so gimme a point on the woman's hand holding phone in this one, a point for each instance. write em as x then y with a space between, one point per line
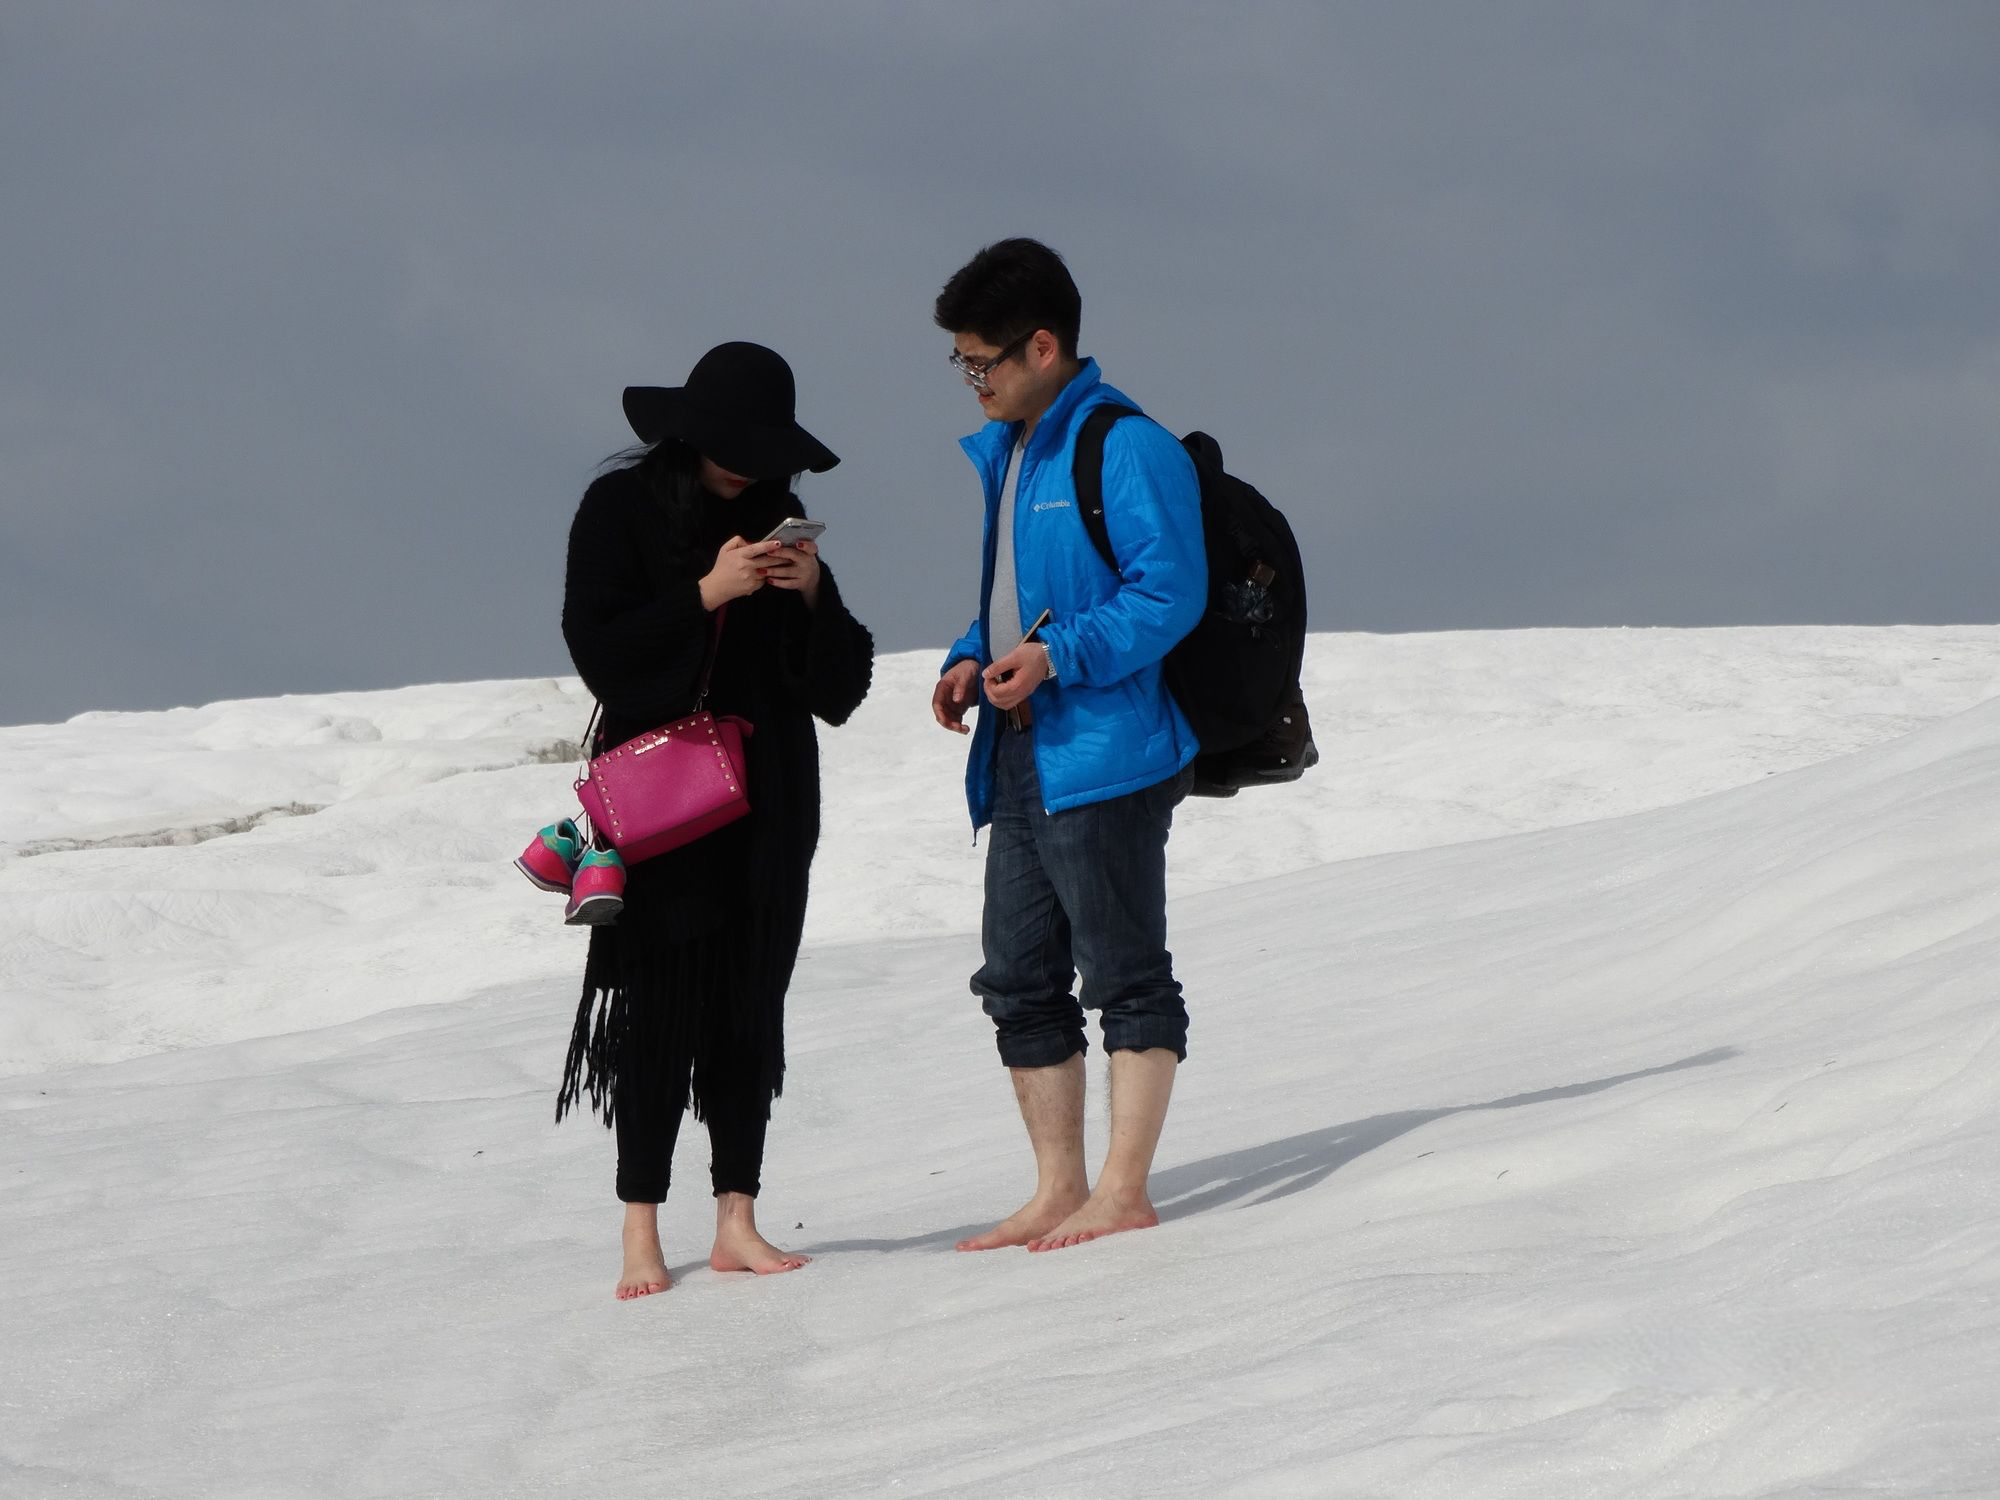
795 567
786 558
739 571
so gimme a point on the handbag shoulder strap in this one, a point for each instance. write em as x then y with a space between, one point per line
701 693
714 650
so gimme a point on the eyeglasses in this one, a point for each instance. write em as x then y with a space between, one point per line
977 370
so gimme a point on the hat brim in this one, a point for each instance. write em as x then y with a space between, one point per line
754 450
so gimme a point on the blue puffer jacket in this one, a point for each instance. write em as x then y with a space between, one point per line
1106 725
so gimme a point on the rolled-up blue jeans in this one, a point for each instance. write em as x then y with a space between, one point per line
1079 891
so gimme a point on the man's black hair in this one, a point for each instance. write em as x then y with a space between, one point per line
1009 290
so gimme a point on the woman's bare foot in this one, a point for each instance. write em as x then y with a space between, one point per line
1105 1213
738 1245
645 1262
1035 1218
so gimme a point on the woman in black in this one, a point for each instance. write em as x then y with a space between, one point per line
683 998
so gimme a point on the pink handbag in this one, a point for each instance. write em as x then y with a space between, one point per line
669 786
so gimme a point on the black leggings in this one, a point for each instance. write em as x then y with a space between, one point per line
692 1021
649 1121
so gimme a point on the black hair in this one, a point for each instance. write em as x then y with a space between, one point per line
671 472
1010 289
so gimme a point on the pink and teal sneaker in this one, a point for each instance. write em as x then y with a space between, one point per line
597 891
551 860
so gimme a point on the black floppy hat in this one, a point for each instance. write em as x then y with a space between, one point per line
737 410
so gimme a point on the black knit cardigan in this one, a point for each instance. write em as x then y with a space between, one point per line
637 631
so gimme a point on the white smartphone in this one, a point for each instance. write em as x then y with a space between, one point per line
795 529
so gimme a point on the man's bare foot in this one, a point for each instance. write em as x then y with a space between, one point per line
645 1263
1105 1213
738 1245
1037 1217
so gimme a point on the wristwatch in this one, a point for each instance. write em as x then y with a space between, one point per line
1049 657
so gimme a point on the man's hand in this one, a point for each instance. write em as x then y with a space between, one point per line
739 571
795 567
1011 679
954 695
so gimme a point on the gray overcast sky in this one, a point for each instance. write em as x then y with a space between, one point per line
313 318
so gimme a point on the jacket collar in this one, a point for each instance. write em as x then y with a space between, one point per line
988 447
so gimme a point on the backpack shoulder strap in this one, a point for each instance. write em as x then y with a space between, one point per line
1087 473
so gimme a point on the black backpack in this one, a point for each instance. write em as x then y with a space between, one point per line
1236 674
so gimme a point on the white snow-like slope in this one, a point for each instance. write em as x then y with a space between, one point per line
137 941
1575 1108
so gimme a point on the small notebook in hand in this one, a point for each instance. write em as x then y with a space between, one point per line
1020 716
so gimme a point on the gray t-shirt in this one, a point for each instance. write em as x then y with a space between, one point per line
1003 607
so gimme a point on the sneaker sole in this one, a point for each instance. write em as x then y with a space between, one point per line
594 911
537 882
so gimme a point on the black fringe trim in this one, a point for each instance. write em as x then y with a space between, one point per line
691 1017
591 1066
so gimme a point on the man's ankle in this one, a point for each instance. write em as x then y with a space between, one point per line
1123 1190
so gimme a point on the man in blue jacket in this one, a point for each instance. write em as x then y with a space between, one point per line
1081 754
